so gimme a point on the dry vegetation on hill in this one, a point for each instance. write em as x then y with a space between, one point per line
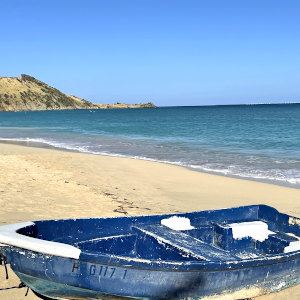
28 93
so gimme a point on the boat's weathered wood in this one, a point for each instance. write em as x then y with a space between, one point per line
186 243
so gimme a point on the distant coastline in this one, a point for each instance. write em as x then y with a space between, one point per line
27 93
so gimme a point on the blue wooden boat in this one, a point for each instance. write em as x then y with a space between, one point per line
247 251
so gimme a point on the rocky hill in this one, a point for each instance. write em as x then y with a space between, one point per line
28 93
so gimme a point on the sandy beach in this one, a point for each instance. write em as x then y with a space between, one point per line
38 183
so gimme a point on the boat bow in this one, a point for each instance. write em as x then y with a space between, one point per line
9 235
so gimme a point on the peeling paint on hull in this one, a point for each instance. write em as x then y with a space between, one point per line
58 278
71 292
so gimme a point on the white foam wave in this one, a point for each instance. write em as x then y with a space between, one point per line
227 171
248 175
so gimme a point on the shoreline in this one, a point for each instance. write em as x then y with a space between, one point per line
39 183
45 145
185 179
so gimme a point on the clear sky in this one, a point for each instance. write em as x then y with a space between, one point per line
167 51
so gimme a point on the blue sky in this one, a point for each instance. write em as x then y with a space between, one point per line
166 51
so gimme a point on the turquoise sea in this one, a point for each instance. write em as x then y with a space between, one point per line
259 142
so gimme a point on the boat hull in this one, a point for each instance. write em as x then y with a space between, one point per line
57 277
243 252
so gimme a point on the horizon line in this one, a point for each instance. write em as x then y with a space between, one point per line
240 104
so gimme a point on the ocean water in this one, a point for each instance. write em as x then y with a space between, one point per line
259 142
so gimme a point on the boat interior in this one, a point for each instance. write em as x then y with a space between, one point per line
220 235
213 242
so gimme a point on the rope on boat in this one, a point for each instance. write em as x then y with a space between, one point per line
3 261
21 285
27 291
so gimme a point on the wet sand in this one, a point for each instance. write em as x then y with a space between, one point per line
37 183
